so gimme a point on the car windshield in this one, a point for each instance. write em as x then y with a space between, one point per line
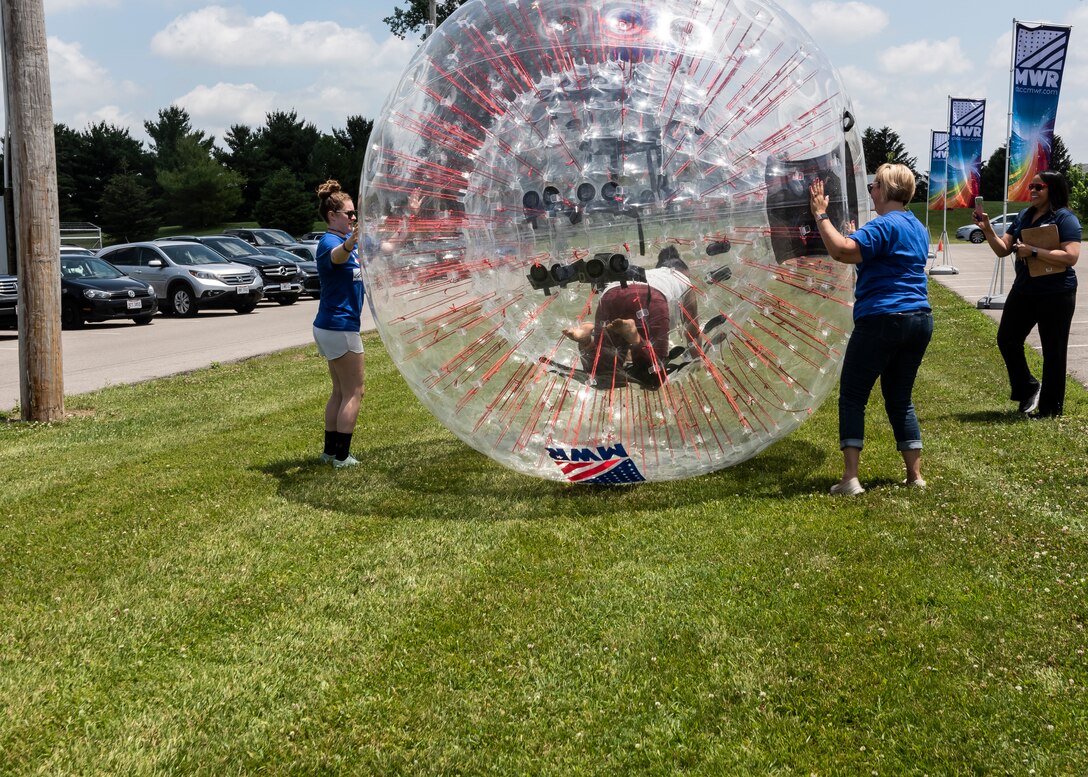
191 254
229 246
279 253
84 267
275 237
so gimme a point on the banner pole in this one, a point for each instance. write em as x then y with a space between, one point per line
945 267
995 298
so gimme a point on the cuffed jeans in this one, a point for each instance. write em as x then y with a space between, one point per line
1053 313
889 347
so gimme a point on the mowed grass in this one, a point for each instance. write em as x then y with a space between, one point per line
184 590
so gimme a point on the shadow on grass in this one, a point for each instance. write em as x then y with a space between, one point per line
450 480
990 417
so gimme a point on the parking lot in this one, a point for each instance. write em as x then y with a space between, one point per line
120 352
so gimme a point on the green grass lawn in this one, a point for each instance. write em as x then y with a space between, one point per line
184 590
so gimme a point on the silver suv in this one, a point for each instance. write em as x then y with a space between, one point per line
188 276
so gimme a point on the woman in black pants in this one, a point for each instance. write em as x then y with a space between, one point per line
1045 300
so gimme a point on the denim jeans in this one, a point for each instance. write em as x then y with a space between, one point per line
889 347
1053 313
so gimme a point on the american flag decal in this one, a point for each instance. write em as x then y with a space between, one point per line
609 465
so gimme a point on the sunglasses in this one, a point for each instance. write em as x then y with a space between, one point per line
1036 187
349 213
869 186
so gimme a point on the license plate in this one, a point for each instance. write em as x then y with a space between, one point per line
133 304
243 289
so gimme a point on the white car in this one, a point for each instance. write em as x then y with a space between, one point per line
973 232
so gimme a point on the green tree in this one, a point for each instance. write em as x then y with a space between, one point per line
128 209
104 151
884 145
416 15
244 158
992 182
341 154
286 204
1078 192
200 191
167 132
287 141
1060 161
68 144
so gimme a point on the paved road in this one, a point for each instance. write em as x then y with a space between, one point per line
111 353
106 354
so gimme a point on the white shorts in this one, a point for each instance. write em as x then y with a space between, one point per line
333 344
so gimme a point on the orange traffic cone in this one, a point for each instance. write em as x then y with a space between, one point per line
940 244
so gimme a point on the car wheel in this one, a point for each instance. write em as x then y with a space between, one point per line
287 299
70 317
182 301
976 236
246 307
141 320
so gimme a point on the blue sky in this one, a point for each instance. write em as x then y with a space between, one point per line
230 63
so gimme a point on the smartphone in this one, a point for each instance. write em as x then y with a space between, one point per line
979 211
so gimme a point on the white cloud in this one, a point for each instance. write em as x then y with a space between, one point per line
831 21
80 85
225 104
228 36
926 57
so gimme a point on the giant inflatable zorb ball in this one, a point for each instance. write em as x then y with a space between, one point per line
528 171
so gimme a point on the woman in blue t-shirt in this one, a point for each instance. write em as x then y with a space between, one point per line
893 322
339 320
1046 300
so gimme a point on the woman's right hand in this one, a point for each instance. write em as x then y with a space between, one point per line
983 220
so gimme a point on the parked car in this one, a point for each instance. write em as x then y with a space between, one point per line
310 237
94 290
974 233
281 276
307 269
9 300
262 237
188 276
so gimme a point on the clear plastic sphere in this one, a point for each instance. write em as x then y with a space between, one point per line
535 165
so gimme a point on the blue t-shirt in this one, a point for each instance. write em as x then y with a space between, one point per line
340 307
1068 230
892 274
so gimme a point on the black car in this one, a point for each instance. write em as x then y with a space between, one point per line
9 299
281 276
94 290
262 237
306 259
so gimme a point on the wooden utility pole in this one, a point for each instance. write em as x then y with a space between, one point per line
29 143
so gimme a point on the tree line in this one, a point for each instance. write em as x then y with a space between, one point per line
266 174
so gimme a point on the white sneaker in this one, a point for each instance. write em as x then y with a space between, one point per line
851 487
326 458
350 461
919 483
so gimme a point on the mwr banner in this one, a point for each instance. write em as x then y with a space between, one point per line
964 152
938 159
1038 62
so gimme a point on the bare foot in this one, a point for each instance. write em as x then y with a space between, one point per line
624 328
581 334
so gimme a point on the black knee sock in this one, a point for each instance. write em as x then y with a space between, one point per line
330 443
